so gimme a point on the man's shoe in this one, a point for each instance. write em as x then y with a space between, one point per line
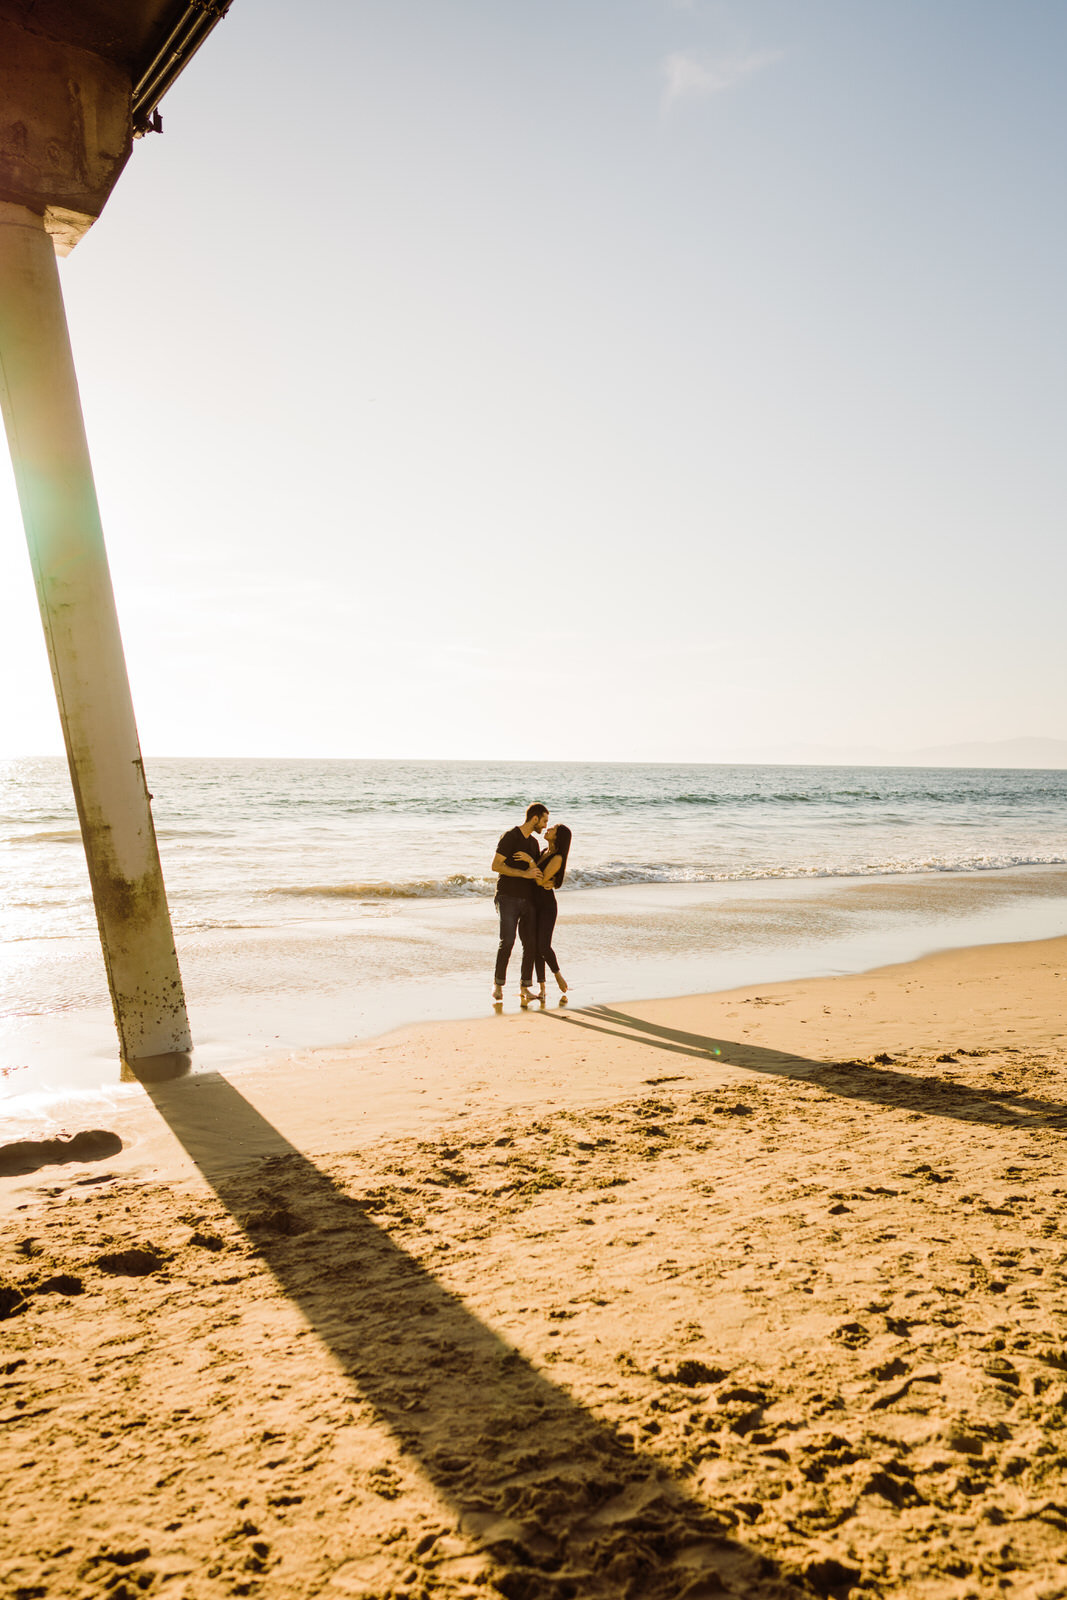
498 993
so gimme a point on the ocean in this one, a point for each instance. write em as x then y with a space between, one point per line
319 901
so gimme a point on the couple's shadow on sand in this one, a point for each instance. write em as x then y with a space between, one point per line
874 1081
564 1505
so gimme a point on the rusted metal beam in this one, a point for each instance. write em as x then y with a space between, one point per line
192 27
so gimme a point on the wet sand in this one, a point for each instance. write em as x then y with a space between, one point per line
760 1293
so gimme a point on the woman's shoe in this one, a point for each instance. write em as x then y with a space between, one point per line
561 980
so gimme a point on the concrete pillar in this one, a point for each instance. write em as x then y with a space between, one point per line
42 414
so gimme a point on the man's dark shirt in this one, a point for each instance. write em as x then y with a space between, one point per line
513 841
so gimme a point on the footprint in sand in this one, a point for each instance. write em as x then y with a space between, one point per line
61 1283
689 1373
889 1369
851 1334
137 1262
893 1482
885 1400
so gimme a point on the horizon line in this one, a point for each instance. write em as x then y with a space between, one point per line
905 760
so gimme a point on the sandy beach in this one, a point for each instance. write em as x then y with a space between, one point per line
759 1293
616 511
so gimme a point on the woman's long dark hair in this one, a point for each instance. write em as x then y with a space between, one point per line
561 848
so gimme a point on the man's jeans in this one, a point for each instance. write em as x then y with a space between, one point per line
516 912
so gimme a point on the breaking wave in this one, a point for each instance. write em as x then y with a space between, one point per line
48 836
415 889
615 874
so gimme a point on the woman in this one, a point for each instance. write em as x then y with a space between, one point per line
553 869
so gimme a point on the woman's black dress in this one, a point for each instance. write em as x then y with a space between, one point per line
545 909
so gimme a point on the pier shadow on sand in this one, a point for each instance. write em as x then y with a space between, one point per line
852 1080
563 1504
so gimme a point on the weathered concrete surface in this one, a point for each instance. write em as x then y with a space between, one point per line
65 132
42 414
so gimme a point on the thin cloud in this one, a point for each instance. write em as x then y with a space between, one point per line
687 77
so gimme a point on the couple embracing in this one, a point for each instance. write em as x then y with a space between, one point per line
528 876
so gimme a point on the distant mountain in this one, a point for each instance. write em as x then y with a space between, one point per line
989 753
1040 753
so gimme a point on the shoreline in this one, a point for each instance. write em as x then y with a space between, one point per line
760 1293
257 994
409 1077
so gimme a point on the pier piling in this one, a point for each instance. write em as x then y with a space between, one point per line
53 472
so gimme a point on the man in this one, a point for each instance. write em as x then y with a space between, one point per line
514 864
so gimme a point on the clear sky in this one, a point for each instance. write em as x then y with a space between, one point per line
622 379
